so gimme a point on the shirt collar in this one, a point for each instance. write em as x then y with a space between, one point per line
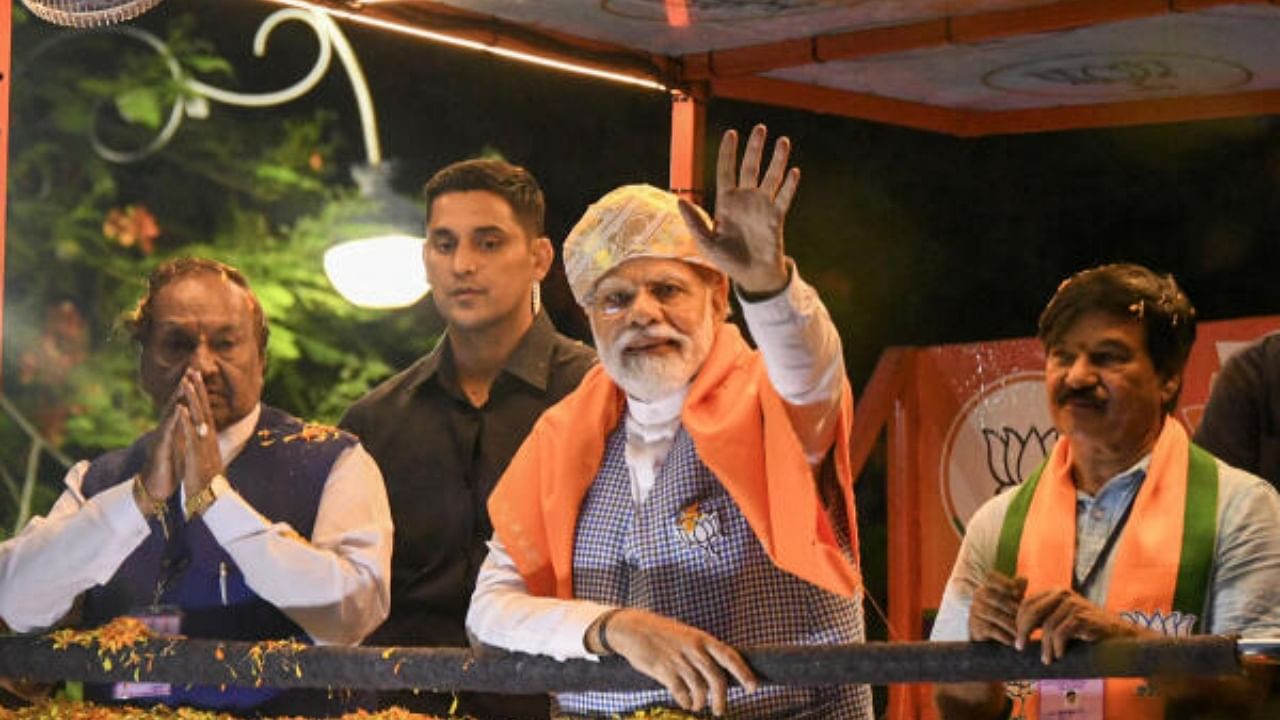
530 361
1130 477
663 410
233 438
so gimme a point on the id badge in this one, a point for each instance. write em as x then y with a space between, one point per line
163 620
1071 699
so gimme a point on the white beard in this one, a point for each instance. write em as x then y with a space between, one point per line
648 377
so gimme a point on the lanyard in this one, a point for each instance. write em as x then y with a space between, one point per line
1078 584
176 556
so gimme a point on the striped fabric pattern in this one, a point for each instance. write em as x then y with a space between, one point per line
689 554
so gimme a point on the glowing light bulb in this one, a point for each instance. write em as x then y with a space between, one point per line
379 272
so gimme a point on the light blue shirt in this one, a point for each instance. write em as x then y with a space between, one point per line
1244 593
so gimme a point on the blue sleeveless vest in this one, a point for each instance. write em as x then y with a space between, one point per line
282 475
688 553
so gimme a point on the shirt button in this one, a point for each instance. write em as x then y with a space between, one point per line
1097 513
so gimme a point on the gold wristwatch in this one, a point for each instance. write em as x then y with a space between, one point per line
198 503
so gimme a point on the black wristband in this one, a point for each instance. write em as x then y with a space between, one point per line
602 627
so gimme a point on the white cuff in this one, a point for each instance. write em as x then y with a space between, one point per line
230 517
570 639
120 511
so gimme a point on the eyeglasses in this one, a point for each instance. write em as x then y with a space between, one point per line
615 296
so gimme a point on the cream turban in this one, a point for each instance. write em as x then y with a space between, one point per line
633 221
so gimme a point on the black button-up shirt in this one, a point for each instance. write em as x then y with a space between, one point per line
441 457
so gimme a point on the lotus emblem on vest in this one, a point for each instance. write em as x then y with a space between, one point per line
1013 455
698 529
1175 624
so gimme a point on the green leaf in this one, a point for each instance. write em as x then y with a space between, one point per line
321 352
282 345
66 249
275 299
268 172
209 64
71 119
140 105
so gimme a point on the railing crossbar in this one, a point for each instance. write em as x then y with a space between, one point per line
209 662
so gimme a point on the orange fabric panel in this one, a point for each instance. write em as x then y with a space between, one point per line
1075 117
839 102
688 130
1192 5
762 58
881 41
677 13
967 123
1055 16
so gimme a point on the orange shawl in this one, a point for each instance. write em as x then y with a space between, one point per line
741 431
1144 573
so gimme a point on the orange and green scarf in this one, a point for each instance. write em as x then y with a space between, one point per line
1176 507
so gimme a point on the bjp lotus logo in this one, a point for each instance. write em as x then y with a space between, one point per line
1012 455
999 437
698 529
1175 625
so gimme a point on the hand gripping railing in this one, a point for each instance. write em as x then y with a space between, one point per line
291 665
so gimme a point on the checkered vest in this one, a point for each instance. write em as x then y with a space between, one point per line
688 553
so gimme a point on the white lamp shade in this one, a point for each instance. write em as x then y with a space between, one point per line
380 272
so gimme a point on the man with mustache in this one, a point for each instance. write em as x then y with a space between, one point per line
230 520
692 494
1128 529
444 429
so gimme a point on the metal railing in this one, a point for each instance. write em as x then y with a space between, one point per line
292 665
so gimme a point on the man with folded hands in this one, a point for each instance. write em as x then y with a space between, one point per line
230 520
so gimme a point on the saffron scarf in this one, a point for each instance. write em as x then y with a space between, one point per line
1176 508
741 431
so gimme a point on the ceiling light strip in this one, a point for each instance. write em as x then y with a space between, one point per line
474 45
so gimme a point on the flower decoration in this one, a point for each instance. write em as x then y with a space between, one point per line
132 225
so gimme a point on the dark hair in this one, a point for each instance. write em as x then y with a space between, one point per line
1126 290
139 321
509 182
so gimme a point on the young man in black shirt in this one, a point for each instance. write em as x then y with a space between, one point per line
443 430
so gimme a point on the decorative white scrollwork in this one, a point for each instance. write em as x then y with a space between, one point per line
193 103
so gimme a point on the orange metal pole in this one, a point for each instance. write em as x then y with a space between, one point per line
6 32
906 702
688 126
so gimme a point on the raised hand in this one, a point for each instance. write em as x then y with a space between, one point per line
746 240
688 662
994 611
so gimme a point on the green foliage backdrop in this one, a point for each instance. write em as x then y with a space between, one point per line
258 189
